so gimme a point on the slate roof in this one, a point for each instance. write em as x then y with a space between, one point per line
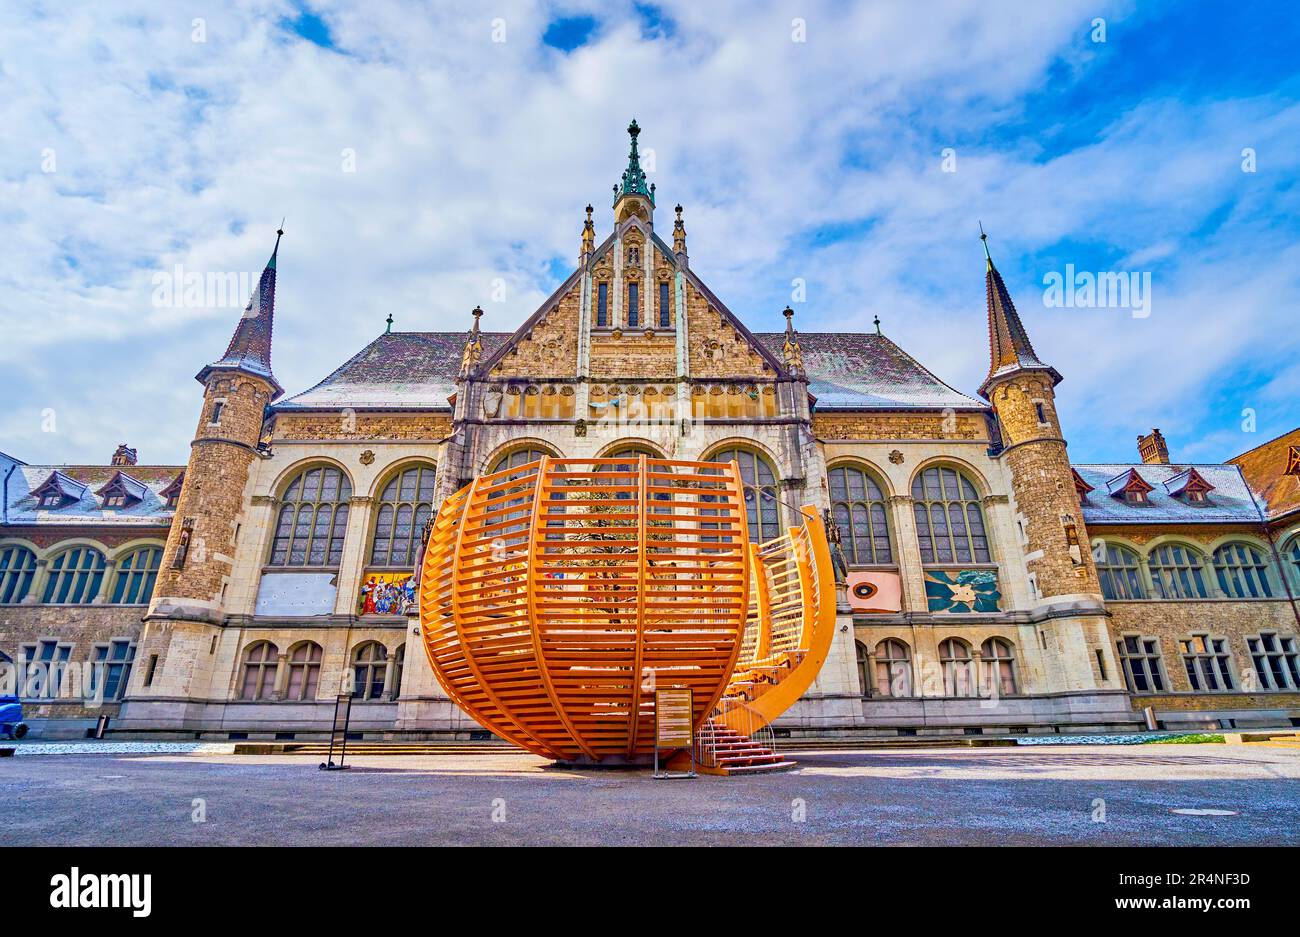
1229 502
151 511
418 370
398 371
250 346
866 371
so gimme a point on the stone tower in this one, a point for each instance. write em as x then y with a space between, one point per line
1021 389
1066 605
185 614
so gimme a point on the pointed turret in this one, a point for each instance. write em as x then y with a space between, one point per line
791 351
588 238
473 345
1010 350
679 236
250 347
631 194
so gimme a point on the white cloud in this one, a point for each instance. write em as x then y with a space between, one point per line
474 160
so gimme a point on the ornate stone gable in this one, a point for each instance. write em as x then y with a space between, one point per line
547 344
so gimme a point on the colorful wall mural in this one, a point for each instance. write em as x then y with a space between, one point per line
387 594
965 590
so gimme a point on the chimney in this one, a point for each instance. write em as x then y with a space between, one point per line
1152 449
123 456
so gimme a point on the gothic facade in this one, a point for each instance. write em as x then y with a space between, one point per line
990 586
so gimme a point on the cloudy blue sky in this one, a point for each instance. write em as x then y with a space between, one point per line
138 136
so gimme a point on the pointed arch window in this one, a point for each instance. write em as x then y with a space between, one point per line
759 478
17 570
405 505
602 305
75 577
1291 554
949 518
859 509
313 519
665 310
633 304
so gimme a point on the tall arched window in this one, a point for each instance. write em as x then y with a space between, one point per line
75 577
1291 554
1177 572
517 458
313 518
858 506
1120 572
17 570
958 668
399 663
258 678
949 519
304 671
1242 572
136 573
369 666
998 661
760 491
863 673
893 668
404 507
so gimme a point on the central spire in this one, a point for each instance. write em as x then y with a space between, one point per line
633 183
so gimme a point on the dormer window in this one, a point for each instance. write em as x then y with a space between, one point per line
1130 487
58 491
1190 487
1081 487
171 495
122 491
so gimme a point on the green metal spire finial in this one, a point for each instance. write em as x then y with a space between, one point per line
876 320
633 180
390 324
985 238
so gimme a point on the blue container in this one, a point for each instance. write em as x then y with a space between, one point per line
11 717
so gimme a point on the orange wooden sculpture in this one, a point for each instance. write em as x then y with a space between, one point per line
555 597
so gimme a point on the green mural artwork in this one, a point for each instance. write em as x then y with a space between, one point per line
967 590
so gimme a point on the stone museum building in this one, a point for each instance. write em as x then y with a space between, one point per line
993 586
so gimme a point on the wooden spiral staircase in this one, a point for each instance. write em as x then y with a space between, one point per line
555 597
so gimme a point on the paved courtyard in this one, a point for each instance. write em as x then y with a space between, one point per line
1113 795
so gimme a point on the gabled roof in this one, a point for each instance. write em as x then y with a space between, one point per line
1230 501
1266 468
418 371
1189 480
58 483
86 508
1128 480
1081 486
134 490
